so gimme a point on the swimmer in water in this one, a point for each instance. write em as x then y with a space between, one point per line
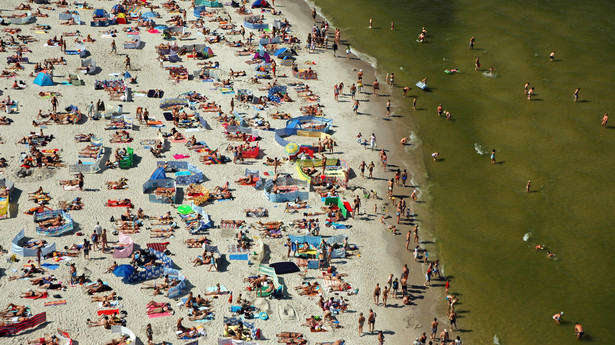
528 186
371 22
403 141
552 56
540 247
550 255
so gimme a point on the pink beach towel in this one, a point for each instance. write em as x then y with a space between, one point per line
181 156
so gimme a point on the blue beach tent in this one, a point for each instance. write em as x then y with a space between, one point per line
43 79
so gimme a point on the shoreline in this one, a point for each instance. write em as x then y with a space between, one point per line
413 159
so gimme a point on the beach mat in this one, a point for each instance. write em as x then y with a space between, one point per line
181 156
168 116
240 257
284 267
108 312
50 266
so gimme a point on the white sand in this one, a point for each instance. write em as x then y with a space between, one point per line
399 324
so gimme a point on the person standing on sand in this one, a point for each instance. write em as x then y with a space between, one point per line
314 14
404 177
361 323
371 320
605 119
408 234
434 329
388 108
528 186
376 87
355 107
334 47
415 239
370 168
576 94
372 141
362 168
113 47
493 156
578 330
347 52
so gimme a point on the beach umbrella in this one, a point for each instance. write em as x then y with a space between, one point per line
123 271
127 75
291 148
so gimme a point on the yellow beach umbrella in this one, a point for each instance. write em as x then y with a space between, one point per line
291 148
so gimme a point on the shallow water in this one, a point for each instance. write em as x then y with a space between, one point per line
482 211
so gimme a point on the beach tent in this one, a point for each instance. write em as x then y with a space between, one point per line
260 4
261 54
43 79
159 174
121 18
99 13
207 52
118 9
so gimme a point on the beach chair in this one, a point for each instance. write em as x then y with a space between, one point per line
127 162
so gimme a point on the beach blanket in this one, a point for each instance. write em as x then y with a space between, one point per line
52 303
214 289
233 248
50 266
240 257
159 247
180 156
107 312
23 325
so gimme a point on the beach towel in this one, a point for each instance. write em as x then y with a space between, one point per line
284 267
152 316
233 248
159 247
181 156
214 288
23 325
183 173
50 266
58 302
180 141
240 257
108 312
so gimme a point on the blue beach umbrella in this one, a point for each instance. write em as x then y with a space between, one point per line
123 271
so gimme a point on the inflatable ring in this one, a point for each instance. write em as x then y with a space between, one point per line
184 209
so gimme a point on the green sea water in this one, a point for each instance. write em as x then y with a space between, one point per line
481 211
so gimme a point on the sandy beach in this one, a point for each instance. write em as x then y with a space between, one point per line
379 253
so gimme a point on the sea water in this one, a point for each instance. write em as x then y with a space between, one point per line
482 210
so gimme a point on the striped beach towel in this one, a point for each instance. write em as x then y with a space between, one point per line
159 247
23 325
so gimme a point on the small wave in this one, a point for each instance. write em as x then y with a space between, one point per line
480 149
401 68
528 236
496 340
489 74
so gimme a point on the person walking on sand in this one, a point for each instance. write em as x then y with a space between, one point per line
408 234
576 94
371 320
605 119
355 107
434 329
314 14
361 323
528 186
113 47
347 52
388 108
334 47
578 330
493 156
377 291
372 141
415 238
370 169
376 87
54 104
